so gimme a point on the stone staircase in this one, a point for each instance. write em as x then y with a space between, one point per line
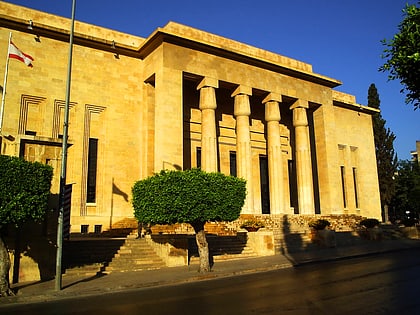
88 256
91 256
134 255
222 248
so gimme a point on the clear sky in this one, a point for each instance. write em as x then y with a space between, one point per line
340 38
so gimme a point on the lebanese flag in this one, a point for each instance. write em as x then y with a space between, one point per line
15 53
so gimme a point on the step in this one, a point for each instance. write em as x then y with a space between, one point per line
86 270
135 254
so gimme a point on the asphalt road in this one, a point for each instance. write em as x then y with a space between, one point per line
379 284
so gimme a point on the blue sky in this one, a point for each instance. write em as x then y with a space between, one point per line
340 38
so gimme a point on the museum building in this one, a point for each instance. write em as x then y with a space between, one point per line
178 99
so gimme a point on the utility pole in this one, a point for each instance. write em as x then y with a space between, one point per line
58 270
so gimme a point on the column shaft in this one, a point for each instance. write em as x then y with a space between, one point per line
242 112
208 107
275 159
208 129
303 162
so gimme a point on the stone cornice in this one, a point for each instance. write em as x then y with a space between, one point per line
47 25
51 26
185 36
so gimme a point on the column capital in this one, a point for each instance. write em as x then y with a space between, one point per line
300 118
272 97
272 111
242 89
208 82
300 103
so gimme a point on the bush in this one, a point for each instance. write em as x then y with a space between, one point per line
369 223
24 190
319 224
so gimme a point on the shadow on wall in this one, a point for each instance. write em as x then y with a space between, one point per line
299 237
32 252
291 241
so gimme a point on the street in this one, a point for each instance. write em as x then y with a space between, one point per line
377 284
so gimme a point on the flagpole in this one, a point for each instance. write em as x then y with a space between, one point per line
6 70
58 270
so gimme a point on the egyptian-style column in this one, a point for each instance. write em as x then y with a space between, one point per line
208 107
275 160
242 111
303 158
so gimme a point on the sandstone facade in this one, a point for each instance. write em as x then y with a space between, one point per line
178 99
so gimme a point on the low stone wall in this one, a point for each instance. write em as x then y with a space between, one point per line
171 248
262 242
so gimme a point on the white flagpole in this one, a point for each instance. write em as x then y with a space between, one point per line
6 70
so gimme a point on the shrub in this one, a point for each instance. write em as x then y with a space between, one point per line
369 223
319 224
24 190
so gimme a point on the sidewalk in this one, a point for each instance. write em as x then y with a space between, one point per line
120 281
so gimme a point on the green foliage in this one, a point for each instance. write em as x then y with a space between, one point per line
369 223
24 190
403 55
319 224
190 196
386 159
407 189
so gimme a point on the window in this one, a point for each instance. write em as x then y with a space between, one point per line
356 197
98 229
264 185
343 185
91 173
198 157
232 163
84 228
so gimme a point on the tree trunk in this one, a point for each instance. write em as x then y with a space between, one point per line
203 247
4 270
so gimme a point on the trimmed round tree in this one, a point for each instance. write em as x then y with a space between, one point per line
190 196
24 191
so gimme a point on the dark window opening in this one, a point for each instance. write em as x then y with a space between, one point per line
293 186
356 197
198 157
84 228
232 163
91 173
98 229
265 189
343 185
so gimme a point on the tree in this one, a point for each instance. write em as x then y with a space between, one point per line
24 192
407 196
403 55
190 196
386 159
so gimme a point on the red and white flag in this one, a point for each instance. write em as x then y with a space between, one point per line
16 53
